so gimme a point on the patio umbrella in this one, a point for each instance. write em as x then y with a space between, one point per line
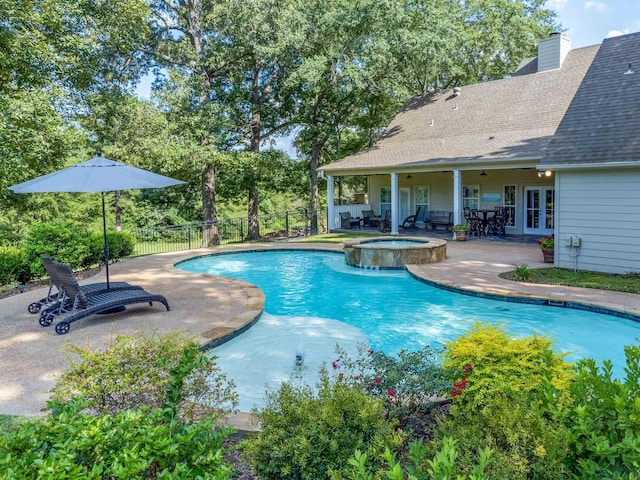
96 175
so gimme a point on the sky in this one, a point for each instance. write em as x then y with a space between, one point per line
589 22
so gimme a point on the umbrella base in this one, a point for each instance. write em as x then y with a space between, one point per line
119 309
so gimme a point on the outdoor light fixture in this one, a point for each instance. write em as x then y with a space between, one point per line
21 287
629 70
483 174
409 176
546 173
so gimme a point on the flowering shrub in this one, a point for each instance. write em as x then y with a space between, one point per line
408 382
546 243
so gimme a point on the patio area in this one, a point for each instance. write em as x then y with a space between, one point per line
209 307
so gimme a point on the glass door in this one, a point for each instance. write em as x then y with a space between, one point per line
539 210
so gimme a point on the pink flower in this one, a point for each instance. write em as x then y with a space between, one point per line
357 377
378 379
370 352
335 364
391 392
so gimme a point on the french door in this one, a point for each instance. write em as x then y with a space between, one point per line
538 210
405 203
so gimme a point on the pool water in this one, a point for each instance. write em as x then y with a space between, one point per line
315 297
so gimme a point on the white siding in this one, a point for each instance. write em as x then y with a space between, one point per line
602 207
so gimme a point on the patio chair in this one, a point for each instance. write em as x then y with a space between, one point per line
370 218
80 305
385 224
347 221
54 292
410 221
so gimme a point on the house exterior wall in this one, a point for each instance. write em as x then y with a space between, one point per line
602 207
441 189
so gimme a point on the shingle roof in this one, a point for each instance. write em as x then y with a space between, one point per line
602 123
496 121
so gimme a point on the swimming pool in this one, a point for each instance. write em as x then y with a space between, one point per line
322 297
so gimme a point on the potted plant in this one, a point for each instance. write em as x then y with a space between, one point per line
547 245
460 230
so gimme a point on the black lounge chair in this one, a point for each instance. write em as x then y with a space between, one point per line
80 305
410 221
55 289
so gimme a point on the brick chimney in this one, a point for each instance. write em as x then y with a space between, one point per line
552 51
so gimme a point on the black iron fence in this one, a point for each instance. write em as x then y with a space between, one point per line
271 228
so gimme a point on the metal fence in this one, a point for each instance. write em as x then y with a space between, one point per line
273 227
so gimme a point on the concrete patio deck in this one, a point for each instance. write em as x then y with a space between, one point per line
208 306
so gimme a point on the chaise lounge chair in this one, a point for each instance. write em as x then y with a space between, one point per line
77 305
55 290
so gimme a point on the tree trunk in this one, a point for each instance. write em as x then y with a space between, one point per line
315 161
210 236
253 228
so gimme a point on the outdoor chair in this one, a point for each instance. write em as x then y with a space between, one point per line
385 224
54 293
370 218
347 221
77 305
410 221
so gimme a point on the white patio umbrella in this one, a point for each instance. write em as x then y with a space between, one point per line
96 175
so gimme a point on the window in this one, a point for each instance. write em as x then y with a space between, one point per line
510 205
385 200
421 194
471 196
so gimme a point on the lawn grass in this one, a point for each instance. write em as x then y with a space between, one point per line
629 282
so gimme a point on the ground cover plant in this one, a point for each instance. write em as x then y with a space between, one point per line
629 282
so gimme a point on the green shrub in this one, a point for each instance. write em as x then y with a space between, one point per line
65 241
504 366
522 273
130 444
121 245
312 436
14 267
137 371
605 419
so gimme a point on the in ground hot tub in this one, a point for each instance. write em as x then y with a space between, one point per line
393 252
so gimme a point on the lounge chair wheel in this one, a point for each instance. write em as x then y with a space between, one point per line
62 328
46 319
34 307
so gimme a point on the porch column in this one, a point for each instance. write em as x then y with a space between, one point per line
331 221
457 198
394 204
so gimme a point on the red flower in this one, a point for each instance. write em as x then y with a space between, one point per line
454 392
378 379
391 392
335 364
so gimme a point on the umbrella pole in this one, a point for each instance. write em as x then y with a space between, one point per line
106 246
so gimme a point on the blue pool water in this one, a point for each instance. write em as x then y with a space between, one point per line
314 300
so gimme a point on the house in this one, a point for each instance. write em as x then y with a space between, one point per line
528 143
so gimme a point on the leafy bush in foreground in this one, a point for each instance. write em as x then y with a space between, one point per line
311 436
604 419
71 444
132 372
